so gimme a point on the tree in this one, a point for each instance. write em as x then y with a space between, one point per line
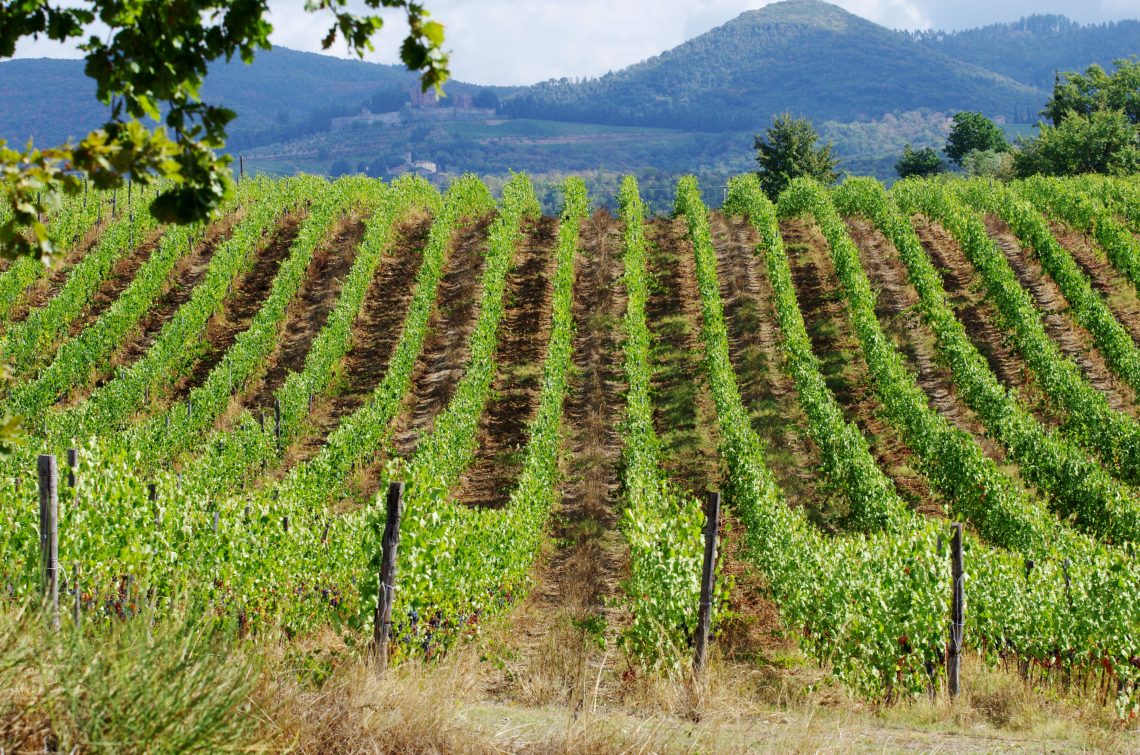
148 59
973 131
989 164
487 98
1103 142
1085 93
923 162
788 151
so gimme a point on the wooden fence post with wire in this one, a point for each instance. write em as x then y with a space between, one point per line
382 622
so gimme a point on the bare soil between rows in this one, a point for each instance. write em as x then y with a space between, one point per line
982 321
446 350
309 310
375 333
188 271
557 658
755 350
897 308
241 306
524 332
837 347
45 289
122 273
1071 338
683 415
1119 295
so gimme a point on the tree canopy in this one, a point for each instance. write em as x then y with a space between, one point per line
973 132
148 59
1104 141
921 162
789 150
1095 90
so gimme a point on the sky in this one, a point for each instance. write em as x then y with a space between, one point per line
524 41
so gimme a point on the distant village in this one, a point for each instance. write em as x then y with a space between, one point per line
421 106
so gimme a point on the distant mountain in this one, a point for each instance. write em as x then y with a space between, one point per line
279 96
868 88
1033 49
804 56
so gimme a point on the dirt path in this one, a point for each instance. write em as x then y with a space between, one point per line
45 289
897 310
241 306
1119 294
1071 338
683 415
375 333
524 333
444 357
841 361
120 277
309 310
186 274
756 352
556 655
981 319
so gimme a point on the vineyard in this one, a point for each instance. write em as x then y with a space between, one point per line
857 370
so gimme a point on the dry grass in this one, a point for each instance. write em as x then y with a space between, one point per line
782 704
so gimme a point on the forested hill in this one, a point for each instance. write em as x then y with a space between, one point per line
805 56
1033 49
284 94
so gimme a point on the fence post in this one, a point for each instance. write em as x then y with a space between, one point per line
382 622
78 596
72 463
49 534
152 497
708 577
957 612
277 421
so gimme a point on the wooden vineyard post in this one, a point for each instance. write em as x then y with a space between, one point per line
277 422
72 463
152 498
49 534
78 596
708 577
957 612
382 623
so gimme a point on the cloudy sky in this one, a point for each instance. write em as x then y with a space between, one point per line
523 41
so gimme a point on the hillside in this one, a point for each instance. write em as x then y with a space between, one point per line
283 95
1032 49
805 56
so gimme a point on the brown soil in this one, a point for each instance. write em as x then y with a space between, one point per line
981 319
757 357
446 350
523 335
240 307
1073 340
841 360
556 660
1118 292
897 310
375 333
683 415
309 310
45 289
188 272
121 275
185 275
